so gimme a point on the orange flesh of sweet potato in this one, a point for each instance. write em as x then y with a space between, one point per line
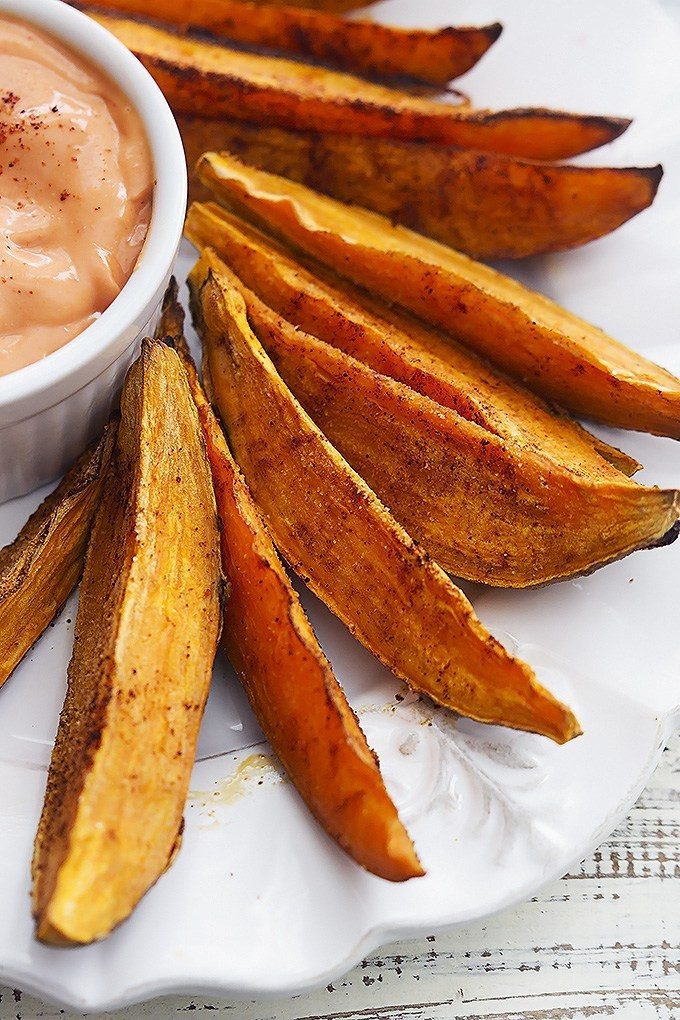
403 349
552 351
484 508
40 569
208 80
337 535
289 682
433 56
146 633
484 204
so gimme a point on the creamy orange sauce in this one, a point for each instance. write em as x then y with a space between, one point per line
76 184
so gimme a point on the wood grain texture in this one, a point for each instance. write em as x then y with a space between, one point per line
603 941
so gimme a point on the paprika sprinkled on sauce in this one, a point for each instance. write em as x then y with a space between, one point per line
76 185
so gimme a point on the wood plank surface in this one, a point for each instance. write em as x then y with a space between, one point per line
603 941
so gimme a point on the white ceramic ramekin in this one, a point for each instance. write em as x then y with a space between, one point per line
50 410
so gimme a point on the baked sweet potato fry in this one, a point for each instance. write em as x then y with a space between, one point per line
527 335
41 567
213 81
367 47
146 633
486 509
484 204
351 552
290 684
396 345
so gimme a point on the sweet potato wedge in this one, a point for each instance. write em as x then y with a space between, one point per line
42 566
486 509
213 81
290 684
487 205
146 633
337 535
396 345
432 56
553 351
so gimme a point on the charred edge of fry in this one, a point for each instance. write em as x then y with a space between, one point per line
176 846
492 31
667 539
613 127
652 174
171 325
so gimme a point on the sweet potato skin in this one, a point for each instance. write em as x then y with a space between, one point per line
213 81
147 628
366 47
398 346
336 534
562 357
40 569
289 682
484 204
486 509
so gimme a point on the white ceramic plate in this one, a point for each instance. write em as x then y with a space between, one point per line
260 901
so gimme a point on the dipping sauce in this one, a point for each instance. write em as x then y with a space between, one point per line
76 184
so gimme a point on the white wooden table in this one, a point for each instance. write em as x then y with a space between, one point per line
603 941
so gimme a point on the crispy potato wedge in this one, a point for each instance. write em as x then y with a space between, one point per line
213 81
42 566
290 684
487 205
146 633
398 346
485 508
367 47
526 334
351 552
